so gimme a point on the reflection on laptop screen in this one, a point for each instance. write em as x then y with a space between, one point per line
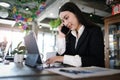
33 55
31 44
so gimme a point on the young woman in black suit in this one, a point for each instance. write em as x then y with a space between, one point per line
83 45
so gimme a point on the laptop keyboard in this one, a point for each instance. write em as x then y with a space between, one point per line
45 66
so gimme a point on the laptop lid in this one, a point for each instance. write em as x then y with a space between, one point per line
33 56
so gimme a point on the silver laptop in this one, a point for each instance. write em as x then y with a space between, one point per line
33 58
33 55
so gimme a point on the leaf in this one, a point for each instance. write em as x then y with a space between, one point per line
55 23
19 49
19 44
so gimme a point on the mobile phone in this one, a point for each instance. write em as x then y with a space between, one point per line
65 30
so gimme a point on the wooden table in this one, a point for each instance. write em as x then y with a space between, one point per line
19 71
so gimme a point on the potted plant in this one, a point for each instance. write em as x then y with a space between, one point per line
19 52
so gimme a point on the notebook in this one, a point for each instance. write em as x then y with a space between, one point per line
33 55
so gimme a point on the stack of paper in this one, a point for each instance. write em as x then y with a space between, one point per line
83 72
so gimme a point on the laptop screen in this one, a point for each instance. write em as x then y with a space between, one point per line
31 43
33 56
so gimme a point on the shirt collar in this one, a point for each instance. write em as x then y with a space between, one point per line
80 31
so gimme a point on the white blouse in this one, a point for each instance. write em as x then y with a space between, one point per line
68 59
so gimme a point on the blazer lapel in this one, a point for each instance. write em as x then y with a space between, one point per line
82 38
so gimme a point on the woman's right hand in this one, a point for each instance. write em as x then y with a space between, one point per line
60 34
54 59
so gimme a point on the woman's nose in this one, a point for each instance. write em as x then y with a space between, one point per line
65 23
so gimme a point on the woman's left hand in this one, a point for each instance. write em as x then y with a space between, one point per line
54 59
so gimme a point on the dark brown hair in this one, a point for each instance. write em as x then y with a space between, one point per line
72 7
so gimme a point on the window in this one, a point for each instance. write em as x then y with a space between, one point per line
11 36
46 43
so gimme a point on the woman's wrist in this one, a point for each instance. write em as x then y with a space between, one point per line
61 36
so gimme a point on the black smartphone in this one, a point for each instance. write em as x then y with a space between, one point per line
65 30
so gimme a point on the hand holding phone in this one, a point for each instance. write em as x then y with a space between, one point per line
65 30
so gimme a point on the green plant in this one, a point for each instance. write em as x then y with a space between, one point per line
19 49
55 23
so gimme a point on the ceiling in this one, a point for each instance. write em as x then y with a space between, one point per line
98 7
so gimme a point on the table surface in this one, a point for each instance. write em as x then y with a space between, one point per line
19 71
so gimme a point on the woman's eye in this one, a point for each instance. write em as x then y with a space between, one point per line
66 18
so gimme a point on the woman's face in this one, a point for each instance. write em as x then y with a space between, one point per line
69 20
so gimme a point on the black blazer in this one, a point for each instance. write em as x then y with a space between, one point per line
90 47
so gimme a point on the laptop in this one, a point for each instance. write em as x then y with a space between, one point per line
33 55
33 58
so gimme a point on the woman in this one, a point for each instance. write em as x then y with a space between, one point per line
83 45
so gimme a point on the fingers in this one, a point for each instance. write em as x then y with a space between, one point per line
60 27
54 59
49 61
61 34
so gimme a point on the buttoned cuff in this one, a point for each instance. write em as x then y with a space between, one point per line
72 60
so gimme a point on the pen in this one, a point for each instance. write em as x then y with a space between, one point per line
74 71
69 71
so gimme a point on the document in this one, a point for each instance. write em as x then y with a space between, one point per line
83 72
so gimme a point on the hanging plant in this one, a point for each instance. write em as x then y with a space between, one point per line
55 23
23 16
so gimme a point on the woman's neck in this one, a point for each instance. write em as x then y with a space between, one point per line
78 27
